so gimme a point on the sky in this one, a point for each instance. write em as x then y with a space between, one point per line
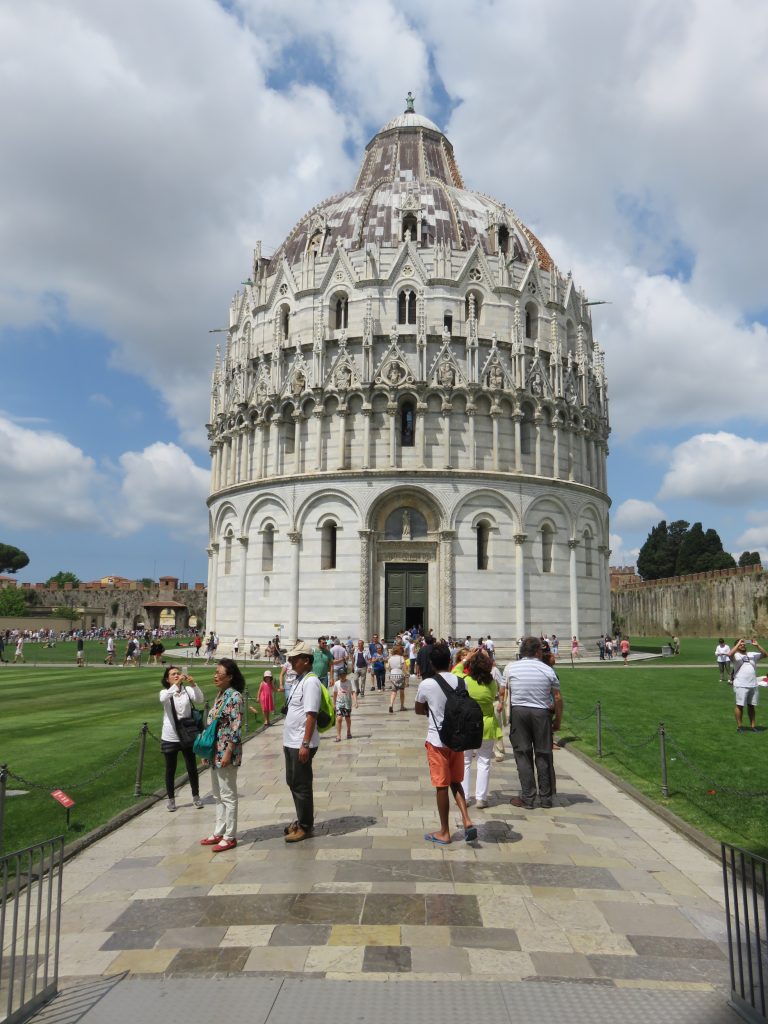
148 146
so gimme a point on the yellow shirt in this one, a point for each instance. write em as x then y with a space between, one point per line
485 697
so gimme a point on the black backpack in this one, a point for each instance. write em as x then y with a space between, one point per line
462 727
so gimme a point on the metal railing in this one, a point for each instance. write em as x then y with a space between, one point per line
30 923
745 877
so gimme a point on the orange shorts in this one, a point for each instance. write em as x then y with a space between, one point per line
445 765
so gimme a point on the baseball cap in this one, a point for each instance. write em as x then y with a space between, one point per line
300 648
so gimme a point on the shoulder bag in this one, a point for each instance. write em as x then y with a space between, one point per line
205 744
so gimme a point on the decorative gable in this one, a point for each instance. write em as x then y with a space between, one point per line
445 371
393 369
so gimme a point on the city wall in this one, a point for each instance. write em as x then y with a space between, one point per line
724 602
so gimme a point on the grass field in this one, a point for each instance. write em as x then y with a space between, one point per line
708 762
60 726
65 652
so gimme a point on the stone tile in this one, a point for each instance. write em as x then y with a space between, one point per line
501 964
656 945
142 961
300 934
636 880
570 915
391 959
346 855
634 919
235 889
504 911
562 965
259 909
137 863
425 936
207 962
490 873
277 960
393 909
543 940
140 938
247 935
485 938
453 910
364 935
164 914
453 961
334 959
328 908
659 968
192 938
600 942
568 875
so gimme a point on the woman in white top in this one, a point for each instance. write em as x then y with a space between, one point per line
396 669
176 697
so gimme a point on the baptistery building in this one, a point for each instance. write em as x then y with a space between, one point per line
409 420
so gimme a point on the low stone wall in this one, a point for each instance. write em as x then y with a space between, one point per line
703 605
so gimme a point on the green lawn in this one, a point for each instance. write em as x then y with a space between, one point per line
60 726
707 759
694 650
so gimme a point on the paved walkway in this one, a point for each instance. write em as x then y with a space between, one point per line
596 892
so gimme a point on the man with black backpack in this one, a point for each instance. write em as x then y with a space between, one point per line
454 721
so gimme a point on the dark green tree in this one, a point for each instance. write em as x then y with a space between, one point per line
692 551
62 577
658 556
12 559
749 558
12 602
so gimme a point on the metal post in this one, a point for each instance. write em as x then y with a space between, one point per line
599 711
3 783
140 765
663 751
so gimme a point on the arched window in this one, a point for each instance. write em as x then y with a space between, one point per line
410 228
406 307
228 553
570 336
504 239
448 322
483 533
527 432
405 524
342 312
532 321
268 548
471 306
588 563
315 246
547 537
285 320
407 425
328 546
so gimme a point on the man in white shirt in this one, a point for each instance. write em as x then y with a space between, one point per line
745 680
300 741
446 766
339 655
723 659
534 694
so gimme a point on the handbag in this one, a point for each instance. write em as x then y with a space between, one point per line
187 729
205 744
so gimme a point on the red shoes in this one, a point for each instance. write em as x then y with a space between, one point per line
224 845
211 840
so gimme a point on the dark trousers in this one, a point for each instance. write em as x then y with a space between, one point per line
171 755
530 733
298 778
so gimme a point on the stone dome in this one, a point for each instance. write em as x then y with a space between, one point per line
409 180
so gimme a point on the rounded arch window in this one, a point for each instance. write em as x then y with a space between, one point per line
473 304
531 320
315 246
228 538
267 548
588 553
504 239
328 544
547 545
570 335
285 321
483 532
408 424
406 306
340 304
527 431
405 524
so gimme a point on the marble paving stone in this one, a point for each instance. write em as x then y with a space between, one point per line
500 964
451 961
394 909
392 959
485 938
328 908
600 942
569 876
191 938
137 862
278 960
333 959
635 880
235 889
659 968
300 934
659 945
220 960
452 910
543 940
562 965
142 961
628 919
425 936
179 913
247 935
141 938
364 935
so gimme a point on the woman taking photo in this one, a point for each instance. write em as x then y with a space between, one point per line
178 692
228 711
481 686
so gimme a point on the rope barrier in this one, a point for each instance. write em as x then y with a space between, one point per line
725 790
77 785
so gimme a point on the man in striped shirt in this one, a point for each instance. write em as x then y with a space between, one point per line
536 710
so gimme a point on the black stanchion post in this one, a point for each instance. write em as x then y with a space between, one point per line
3 784
663 751
599 713
140 765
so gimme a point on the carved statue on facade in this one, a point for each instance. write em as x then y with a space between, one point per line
446 377
536 383
495 378
343 378
410 99
395 373
406 535
298 385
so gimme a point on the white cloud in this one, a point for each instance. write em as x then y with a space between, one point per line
47 482
718 468
621 554
634 514
162 486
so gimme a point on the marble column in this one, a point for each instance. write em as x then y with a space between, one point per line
297 418
214 453
392 413
366 537
243 578
495 414
367 415
520 539
555 452
421 433
274 445
472 447
447 583
213 585
574 586
447 435
317 415
583 446
341 415
517 417
294 536
537 460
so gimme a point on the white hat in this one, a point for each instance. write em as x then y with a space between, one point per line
299 649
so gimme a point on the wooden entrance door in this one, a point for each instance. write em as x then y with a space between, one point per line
406 597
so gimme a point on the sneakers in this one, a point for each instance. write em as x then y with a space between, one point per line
298 834
171 805
197 802
481 804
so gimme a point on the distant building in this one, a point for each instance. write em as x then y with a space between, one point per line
623 576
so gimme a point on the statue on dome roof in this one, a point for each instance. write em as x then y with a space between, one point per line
409 102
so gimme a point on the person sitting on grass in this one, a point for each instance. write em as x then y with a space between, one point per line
446 766
342 697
